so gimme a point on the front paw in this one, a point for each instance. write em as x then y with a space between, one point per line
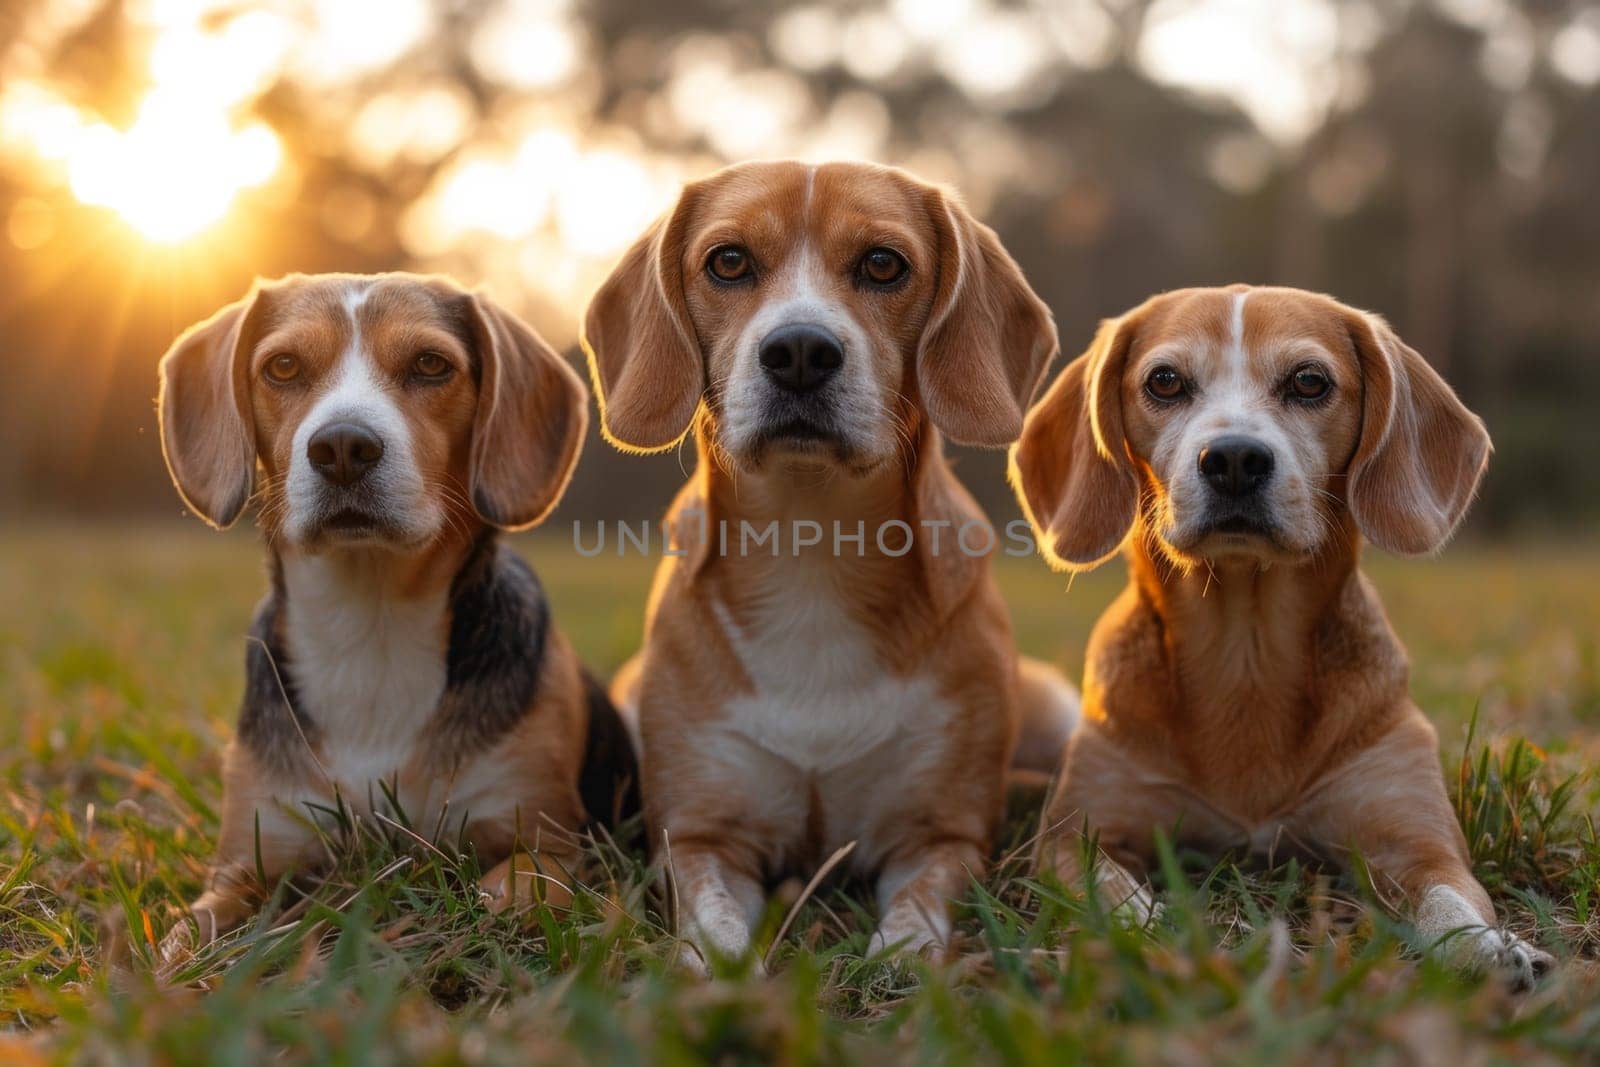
1138 910
913 940
1499 954
729 945
1129 901
1516 962
179 946
188 937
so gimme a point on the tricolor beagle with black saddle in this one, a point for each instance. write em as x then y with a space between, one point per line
404 663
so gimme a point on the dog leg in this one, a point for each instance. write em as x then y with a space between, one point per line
718 907
1389 805
915 893
1127 898
234 890
1119 804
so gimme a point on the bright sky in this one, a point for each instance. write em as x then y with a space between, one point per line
1271 56
556 197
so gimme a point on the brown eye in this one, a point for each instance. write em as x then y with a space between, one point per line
1309 383
883 267
730 263
1165 384
430 365
282 368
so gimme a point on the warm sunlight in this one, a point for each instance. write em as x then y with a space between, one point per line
177 168
529 178
175 171
333 670
354 112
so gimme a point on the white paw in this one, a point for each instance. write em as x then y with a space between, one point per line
1455 931
1139 909
1509 958
1129 901
698 947
178 946
915 941
690 961
185 939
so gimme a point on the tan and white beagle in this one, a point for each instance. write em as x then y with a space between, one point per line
1246 691
828 661
388 426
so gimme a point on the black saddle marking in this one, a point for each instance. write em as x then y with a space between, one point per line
609 780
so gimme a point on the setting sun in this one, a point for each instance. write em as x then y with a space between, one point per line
175 171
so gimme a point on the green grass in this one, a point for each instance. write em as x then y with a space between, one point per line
120 659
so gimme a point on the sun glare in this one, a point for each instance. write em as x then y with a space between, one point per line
178 167
531 179
175 171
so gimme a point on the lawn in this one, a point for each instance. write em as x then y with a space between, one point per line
120 665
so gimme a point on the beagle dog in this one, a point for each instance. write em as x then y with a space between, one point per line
1246 691
826 660
404 664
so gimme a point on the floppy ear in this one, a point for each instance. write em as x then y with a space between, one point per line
644 359
532 412
1070 468
989 337
1421 453
207 434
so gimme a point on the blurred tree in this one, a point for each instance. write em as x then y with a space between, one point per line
1442 172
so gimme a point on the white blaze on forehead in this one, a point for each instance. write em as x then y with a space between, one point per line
354 391
355 294
1236 330
800 296
1232 398
1232 387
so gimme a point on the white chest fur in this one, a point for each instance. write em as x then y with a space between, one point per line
821 697
368 664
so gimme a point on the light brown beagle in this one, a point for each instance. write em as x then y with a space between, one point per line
388 426
828 661
1246 691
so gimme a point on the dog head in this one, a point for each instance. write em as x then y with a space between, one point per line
375 410
1246 422
817 312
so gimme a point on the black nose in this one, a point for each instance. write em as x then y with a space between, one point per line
1236 466
344 452
800 358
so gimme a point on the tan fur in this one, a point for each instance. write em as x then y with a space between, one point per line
495 446
959 347
968 332
1241 694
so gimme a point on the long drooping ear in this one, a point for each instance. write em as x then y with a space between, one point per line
1421 453
532 413
989 337
1070 468
644 359
207 433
